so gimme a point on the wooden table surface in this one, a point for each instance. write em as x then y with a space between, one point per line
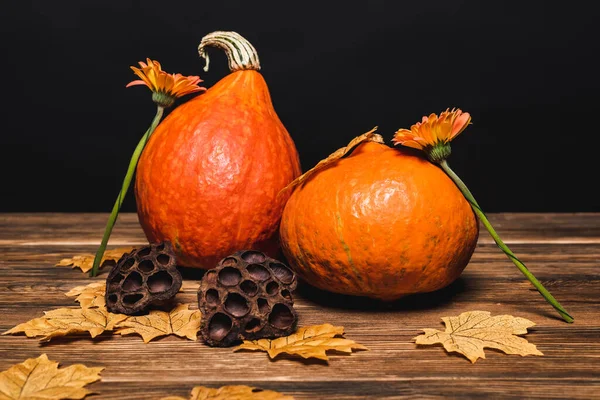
563 250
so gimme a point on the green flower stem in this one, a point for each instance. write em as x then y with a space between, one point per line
467 193
126 182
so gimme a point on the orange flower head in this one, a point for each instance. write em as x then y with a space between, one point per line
165 87
433 130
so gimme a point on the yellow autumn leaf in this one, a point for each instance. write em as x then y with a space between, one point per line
234 392
370 136
181 321
309 342
471 331
40 378
65 321
90 296
85 261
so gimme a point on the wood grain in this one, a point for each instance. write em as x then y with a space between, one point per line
563 250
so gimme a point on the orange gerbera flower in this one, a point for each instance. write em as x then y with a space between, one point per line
433 130
173 85
433 136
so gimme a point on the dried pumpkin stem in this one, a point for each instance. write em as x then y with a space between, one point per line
124 188
240 53
469 196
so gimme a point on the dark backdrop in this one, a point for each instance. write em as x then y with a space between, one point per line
526 71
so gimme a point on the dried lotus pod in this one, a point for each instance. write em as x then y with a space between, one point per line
247 296
144 276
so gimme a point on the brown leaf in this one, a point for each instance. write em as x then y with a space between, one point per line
181 321
85 261
471 331
235 392
90 296
370 136
65 321
312 341
40 378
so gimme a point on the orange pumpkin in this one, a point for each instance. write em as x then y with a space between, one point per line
382 223
209 176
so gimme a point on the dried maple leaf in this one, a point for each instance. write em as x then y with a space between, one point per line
65 321
90 296
471 331
234 392
86 260
370 136
40 378
181 321
312 341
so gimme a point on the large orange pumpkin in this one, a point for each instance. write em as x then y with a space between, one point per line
382 223
209 176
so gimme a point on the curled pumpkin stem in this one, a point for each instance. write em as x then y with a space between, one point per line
112 219
519 264
241 55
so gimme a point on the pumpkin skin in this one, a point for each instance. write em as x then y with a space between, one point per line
382 223
209 176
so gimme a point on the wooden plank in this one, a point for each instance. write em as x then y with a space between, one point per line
87 229
548 262
61 228
393 367
400 388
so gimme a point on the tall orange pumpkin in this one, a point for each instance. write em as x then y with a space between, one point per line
382 223
209 176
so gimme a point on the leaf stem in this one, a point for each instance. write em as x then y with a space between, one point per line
124 188
467 193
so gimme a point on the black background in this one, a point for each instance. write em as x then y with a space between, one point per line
526 71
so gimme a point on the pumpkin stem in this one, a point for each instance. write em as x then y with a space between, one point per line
240 53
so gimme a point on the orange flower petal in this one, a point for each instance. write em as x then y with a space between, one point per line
133 83
433 129
175 85
413 144
460 123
